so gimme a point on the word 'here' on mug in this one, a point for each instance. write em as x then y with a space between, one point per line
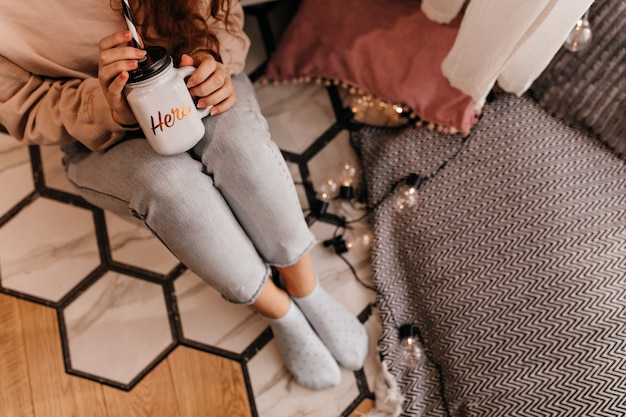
167 120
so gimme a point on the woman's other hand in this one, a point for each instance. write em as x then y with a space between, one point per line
211 82
115 61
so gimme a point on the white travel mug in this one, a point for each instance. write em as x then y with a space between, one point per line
158 96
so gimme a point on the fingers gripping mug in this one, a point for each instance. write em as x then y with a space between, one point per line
159 98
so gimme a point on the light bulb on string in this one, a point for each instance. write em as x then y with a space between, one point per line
580 36
360 105
347 181
372 111
409 351
407 194
354 239
326 191
339 244
321 203
359 238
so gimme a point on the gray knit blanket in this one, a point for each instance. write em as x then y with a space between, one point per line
512 265
587 89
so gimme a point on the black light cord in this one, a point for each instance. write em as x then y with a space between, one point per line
357 277
421 180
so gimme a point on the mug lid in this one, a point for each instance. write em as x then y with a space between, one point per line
157 61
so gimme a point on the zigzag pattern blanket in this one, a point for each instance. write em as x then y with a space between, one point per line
512 265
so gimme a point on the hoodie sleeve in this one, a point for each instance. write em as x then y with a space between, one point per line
38 110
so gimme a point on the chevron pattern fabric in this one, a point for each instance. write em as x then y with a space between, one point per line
513 265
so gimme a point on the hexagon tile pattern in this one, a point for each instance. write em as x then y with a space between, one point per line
124 302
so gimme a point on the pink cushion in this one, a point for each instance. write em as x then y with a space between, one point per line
386 47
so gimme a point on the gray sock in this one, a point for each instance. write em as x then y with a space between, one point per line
304 354
342 333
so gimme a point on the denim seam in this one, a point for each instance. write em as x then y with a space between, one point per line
99 193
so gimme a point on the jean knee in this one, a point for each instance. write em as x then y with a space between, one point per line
245 294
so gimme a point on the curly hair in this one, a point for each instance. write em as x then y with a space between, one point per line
161 19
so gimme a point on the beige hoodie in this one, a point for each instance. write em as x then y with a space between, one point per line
49 91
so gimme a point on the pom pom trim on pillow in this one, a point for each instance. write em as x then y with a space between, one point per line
403 109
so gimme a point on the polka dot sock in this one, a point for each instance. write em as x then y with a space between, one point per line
304 354
342 333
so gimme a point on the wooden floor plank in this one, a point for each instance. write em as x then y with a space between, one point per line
54 392
208 385
33 381
15 395
366 406
153 396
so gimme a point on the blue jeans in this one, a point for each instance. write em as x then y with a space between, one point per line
227 209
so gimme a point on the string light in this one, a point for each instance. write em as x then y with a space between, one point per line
339 244
347 181
409 350
369 110
407 192
580 36
360 238
327 191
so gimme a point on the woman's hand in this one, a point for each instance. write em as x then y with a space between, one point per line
210 82
116 59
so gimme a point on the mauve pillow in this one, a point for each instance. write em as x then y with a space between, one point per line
387 48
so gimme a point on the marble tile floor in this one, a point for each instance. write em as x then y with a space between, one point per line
125 302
